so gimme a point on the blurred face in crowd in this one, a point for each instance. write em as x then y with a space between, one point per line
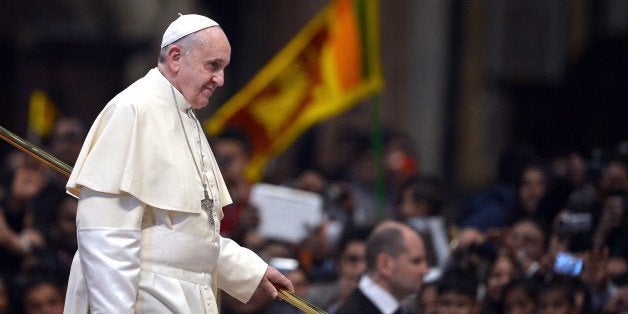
67 139
532 189
362 168
554 301
410 207
614 178
276 249
407 270
427 300
352 262
572 167
29 178
528 237
43 298
517 301
451 302
501 273
576 169
201 69
232 158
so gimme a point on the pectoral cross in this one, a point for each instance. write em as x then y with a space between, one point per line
207 204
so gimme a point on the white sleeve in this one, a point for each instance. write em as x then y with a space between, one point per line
108 228
239 270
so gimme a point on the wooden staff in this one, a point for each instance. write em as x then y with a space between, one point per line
35 151
66 170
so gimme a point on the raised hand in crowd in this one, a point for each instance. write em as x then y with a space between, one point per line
594 271
19 243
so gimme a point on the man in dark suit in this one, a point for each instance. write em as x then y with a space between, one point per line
396 264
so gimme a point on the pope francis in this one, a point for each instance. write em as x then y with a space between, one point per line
151 194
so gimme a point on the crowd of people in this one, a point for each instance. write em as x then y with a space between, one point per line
38 225
548 236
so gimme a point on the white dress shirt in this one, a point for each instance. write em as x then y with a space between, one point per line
382 299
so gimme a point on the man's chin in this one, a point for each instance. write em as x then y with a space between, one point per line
200 104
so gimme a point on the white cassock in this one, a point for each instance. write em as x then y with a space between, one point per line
145 245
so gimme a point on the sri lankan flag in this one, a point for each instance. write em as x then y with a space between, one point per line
330 65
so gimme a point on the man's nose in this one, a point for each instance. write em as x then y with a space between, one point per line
219 78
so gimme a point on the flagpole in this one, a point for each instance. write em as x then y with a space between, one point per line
66 170
377 140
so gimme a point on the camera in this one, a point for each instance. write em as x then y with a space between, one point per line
567 264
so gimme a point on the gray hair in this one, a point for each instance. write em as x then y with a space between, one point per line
186 43
389 240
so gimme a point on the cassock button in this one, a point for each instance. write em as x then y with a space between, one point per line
204 287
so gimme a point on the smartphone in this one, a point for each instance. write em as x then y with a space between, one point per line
567 264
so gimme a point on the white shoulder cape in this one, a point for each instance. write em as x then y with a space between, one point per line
136 145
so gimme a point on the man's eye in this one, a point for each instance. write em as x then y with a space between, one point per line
212 65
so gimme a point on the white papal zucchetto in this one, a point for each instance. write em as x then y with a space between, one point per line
184 25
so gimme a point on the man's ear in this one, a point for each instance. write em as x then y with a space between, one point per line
174 58
385 264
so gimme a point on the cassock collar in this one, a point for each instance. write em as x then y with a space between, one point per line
183 104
